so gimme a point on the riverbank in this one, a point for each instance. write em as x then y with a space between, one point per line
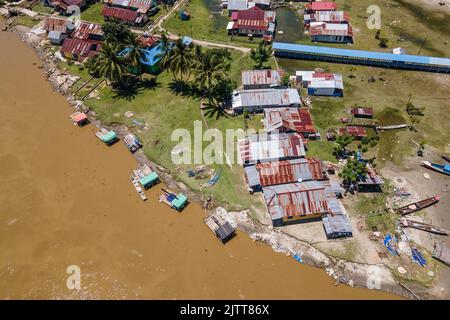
351 273
60 210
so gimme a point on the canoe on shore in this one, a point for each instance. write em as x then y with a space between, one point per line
423 226
442 168
419 205
393 127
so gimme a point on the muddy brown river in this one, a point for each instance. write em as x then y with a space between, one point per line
66 199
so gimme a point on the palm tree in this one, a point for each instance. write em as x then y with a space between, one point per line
181 57
111 66
135 52
261 54
210 71
164 56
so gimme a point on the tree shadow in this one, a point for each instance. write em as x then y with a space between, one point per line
215 110
184 89
131 86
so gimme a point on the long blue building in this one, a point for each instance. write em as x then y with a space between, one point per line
361 57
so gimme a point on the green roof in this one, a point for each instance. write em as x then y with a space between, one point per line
108 137
152 177
180 201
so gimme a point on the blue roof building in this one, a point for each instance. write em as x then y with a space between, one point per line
361 57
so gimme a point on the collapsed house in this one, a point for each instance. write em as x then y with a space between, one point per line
289 120
260 148
370 182
256 100
331 32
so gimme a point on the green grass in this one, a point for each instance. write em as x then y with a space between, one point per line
321 149
205 26
26 21
93 13
41 8
163 110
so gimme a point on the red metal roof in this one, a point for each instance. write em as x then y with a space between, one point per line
294 119
148 41
55 24
359 132
80 49
280 172
253 18
85 29
321 6
120 13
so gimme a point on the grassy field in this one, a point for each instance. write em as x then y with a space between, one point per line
204 25
163 110
25 21
41 8
93 13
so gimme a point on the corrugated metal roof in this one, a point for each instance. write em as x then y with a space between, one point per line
389 57
120 13
288 119
327 16
84 29
330 29
371 177
336 224
237 4
265 97
142 5
321 6
288 171
260 77
253 18
79 48
148 41
365 111
263 147
296 199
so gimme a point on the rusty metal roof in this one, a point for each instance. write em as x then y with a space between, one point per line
359 132
55 24
269 97
79 49
120 13
367 111
84 30
288 119
287 171
274 147
330 29
260 77
296 199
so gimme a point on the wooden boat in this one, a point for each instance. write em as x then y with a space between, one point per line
419 205
177 202
446 158
138 188
442 168
146 176
423 226
393 127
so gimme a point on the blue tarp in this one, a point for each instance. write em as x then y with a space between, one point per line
417 257
298 258
387 242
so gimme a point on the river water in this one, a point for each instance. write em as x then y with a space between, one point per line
66 199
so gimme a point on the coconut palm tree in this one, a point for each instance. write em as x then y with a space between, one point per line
111 66
164 56
135 52
181 57
210 71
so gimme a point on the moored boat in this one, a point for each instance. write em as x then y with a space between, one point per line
109 137
132 142
423 226
442 168
177 202
419 205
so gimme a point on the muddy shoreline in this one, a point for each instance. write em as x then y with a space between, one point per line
354 274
